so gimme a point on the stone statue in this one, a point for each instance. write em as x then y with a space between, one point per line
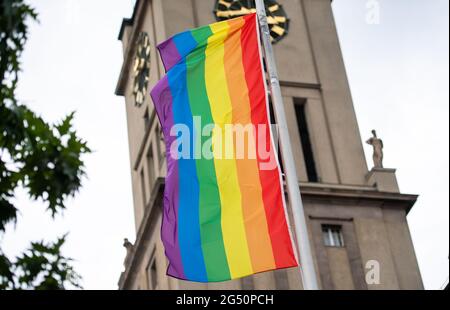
128 245
377 145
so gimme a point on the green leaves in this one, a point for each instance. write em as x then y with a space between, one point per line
45 159
8 213
41 267
14 33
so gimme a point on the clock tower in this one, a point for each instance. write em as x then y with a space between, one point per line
356 217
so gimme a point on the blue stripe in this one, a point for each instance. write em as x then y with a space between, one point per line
185 43
188 209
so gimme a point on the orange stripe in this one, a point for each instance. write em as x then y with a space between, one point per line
258 238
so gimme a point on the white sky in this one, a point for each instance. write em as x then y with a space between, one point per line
398 72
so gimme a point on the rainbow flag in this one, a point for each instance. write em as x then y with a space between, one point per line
224 217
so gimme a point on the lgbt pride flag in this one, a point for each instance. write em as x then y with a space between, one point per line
223 218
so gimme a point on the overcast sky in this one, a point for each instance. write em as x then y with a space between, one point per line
398 72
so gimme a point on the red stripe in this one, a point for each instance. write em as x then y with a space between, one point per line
270 179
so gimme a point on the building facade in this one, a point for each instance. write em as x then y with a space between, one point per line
356 217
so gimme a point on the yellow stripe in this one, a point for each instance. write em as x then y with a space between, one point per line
233 229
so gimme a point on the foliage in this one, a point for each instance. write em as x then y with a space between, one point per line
41 267
43 158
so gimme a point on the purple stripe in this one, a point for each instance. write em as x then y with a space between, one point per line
169 54
162 98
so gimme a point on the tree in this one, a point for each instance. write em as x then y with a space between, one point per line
43 158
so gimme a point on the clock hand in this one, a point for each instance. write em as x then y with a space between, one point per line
232 13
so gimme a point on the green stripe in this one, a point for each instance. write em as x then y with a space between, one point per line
209 200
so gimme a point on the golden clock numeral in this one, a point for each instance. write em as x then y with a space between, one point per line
280 19
278 30
223 14
274 8
225 3
275 20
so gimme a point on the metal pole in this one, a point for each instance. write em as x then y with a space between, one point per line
307 269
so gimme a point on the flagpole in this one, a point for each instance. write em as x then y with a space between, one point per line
307 269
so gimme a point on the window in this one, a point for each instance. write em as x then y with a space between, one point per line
332 235
147 123
152 274
305 140
150 165
160 145
143 189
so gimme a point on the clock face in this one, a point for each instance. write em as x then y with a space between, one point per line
276 16
141 68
